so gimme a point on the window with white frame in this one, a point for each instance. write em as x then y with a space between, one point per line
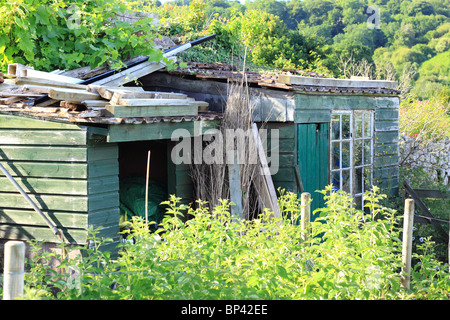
351 152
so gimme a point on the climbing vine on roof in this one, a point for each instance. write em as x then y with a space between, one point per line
55 34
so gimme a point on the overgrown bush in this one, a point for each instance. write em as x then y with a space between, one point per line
350 255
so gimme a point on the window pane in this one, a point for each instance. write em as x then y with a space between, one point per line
335 155
346 180
345 126
335 127
367 178
367 153
335 180
358 152
367 125
357 186
358 125
346 154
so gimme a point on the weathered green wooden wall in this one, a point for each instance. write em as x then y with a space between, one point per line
71 175
316 108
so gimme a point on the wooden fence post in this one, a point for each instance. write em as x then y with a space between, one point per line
305 215
408 220
13 270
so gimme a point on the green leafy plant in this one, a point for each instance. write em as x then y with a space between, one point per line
52 35
351 254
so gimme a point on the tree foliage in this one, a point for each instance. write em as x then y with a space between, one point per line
317 35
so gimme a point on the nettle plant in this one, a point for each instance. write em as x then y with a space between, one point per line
56 34
350 254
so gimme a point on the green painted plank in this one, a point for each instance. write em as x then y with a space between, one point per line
103 152
151 111
46 170
386 114
50 153
104 217
157 131
45 185
386 137
381 149
101 168
386 125
16 232
387 102
286 160
312 116
45 202
110 231
183 178
385 172
285 131
43 137
387 160
31 217
16 122
103 184
284 175
101 201
329 102
185 192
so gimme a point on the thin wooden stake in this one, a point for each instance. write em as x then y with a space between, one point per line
146 187
13 270
305 215
408 221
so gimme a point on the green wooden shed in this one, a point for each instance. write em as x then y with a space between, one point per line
71 169
331 131
342 132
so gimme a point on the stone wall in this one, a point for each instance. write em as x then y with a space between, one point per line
433 157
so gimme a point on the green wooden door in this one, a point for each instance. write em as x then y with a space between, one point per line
313 149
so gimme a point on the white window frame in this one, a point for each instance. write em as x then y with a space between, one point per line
352 140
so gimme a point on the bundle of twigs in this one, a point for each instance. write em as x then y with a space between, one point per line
211 180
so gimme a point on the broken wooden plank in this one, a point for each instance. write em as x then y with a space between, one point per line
72 105
95 103
14 69
45 82
93 112
122 94
73 95
132 73
332 82
10 100
48 76
154 102
267 183
119 111
106 92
